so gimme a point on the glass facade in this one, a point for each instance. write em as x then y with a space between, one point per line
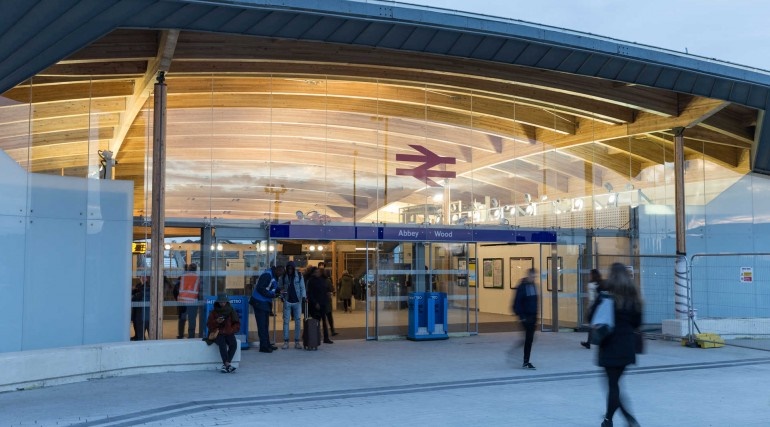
281 148
318 148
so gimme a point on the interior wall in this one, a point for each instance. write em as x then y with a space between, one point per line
495 300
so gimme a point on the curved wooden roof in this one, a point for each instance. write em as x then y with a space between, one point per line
254 84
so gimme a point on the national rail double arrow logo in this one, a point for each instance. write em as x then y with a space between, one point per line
424 172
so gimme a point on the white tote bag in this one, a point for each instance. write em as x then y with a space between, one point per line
603 322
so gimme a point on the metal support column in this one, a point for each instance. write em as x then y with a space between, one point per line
158 208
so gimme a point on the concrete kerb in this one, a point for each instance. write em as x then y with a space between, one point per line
48 367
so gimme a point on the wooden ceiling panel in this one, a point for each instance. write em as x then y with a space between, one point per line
70 91
305 112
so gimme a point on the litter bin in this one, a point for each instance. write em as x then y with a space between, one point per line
240 304
427 316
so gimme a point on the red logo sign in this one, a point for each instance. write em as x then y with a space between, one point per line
424 172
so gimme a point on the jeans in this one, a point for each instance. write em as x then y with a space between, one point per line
227 347
290 309
262 316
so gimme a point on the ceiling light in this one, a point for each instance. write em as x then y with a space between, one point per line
530 210
311 248
577 204
167 246
320 248
438 197
271 247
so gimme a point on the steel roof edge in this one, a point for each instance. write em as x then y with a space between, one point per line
396 12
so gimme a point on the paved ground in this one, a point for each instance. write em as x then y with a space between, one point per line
465 381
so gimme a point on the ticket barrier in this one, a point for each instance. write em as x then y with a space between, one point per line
427 316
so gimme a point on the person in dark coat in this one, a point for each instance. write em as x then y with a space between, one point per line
525 306
265 290
140 315
345 290
317 299
618 350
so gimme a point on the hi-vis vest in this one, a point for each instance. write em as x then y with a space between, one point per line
188 288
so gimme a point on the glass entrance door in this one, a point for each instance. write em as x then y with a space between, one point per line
560 284
396 269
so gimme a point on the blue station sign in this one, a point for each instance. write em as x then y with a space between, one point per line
405 233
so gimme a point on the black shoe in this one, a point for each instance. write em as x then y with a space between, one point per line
230 369
607 423
328 342
528 366
334 334
273 347
586 344
266 350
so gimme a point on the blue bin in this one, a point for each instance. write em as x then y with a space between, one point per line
240 304
427 316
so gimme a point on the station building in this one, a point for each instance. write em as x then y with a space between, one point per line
418 149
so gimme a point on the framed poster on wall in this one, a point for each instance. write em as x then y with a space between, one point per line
519 267
493 273
472 272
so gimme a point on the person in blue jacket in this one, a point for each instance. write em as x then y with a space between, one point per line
261 301
525 306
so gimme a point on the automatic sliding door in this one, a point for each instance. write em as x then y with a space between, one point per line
449 273
560 284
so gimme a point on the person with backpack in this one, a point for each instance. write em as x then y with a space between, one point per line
293 295
265 290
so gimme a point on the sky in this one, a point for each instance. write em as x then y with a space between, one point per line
736 31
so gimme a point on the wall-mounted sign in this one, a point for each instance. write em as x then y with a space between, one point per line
138 248
747 274
424 172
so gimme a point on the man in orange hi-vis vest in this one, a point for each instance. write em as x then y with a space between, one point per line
189 291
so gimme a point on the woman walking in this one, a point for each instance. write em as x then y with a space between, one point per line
618 350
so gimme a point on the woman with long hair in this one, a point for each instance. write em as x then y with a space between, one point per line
618 350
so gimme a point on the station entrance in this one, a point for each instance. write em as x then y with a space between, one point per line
479 278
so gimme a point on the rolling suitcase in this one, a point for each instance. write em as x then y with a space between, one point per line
311 332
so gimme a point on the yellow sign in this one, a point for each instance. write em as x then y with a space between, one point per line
138 248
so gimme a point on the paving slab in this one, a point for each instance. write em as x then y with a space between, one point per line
475 380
